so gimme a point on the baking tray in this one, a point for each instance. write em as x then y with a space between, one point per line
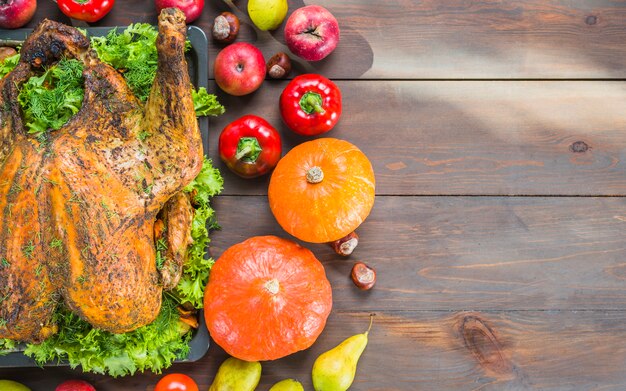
197 61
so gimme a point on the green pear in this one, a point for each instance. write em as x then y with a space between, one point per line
334 370
237 375
287 385
267 14
10 385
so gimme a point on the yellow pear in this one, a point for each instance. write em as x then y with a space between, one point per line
287 385
235 374
334 370
267 14
10 385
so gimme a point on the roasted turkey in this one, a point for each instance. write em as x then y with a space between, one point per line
78 212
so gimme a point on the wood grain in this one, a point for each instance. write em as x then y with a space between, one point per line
461 39
467 137
468 253
431 350
455 39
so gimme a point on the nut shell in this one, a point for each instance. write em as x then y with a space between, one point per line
279 66
363 276
346 245
225 27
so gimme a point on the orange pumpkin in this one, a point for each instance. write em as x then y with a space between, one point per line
266 298
322 190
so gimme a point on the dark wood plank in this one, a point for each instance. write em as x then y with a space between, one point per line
426 350
465 39
451 39
462 253
488 138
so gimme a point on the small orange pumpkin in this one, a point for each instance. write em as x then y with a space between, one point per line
322 190
266 298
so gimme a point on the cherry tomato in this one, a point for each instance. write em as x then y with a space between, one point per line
176 382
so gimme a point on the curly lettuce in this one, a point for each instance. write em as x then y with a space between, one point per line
132 51
206 104
195 276
7 346
152 347
8 64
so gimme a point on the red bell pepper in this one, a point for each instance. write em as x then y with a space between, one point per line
86 10
310 104
250 146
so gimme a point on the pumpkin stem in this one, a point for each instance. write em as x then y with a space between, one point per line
272 286
311 102
248 149
314 175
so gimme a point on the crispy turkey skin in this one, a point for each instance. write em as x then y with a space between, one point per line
78 211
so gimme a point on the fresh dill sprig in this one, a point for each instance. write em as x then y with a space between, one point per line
50 100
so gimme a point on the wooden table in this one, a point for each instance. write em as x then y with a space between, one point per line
497 131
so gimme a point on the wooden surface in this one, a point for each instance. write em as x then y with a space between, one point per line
497 131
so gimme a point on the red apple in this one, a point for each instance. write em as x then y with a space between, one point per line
75 385
239 68
16 13
312 32
191 8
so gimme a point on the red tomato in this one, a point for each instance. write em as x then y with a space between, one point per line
176 382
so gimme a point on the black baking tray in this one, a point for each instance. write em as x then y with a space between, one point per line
197 61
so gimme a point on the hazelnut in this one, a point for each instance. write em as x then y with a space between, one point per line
225 27
346 245
363 276
279 66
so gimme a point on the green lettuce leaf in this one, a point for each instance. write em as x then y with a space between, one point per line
195 276
134 52
206 104
8 64
152 347
7 346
